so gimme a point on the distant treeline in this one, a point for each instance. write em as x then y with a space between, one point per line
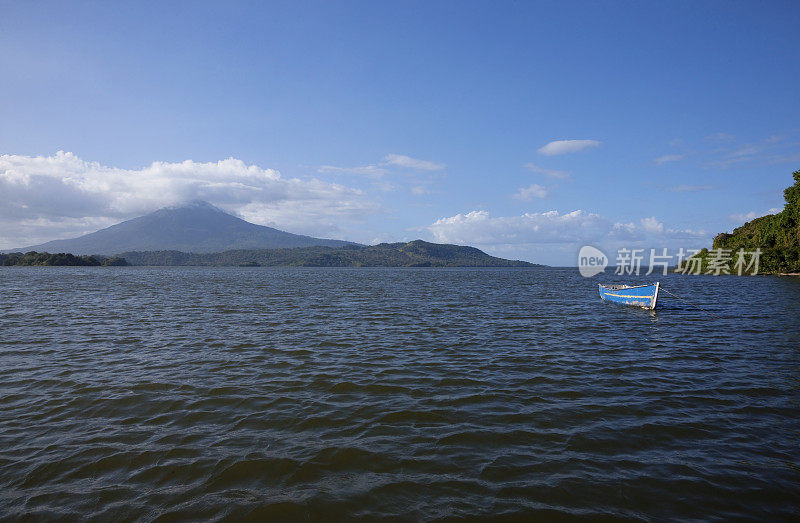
412 254
46 259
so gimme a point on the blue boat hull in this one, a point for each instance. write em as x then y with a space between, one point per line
639 296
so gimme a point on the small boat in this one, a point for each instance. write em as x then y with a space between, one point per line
636 295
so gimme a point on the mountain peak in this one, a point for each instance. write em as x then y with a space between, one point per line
194 204
192 226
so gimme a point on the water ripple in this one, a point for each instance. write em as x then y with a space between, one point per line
294 394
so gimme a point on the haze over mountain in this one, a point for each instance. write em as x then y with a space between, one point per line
192 227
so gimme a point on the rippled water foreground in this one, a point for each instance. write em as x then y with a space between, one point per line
342 393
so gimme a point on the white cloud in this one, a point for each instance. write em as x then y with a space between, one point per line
527 194
729 162
390 160
552 173
478 227
786 158
770 150
390 174
746 150
16 233
668 158
412 163
555 238
651 224
64 189
386 186
372 171
752 215
690 188
566 146
653 232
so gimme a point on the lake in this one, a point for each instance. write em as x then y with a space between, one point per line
282 393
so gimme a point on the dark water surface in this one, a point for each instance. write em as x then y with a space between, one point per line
201 393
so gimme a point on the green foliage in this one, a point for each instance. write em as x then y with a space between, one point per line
792 196
412 254
114 261
33 258
776 235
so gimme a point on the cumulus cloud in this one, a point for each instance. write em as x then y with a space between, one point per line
527 194
44 191
567 146
652 230
652 224
552 173
553 237
479 227
752 215
400 160
668 158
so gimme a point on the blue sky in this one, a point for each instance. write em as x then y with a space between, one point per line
389 121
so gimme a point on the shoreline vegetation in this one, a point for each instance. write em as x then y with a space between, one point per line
776 236
61 259
416 253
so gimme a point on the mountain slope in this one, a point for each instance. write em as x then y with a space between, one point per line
194 227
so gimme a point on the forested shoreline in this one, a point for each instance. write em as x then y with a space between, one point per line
46 259
416 253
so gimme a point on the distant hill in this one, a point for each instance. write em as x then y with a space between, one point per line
197 227
417 253
777 235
